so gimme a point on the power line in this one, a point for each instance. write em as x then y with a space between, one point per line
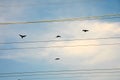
60 40
80 76
45 3
62 72
61 46
67 73
70 70
108 16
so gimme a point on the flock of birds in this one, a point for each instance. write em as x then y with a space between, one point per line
58 36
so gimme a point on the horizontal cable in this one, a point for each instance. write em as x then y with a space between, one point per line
79 76
57 71
45 3
59 40
63 73
108 16
61 46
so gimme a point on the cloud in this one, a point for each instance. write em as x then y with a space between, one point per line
89 55
70 57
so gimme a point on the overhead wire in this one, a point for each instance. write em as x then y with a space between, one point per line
107 16
103 38
64 72
68 70
61 46
88 73
44 3
63 20
80 76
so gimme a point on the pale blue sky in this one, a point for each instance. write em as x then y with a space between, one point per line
43 59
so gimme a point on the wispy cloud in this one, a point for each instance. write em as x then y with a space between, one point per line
92 56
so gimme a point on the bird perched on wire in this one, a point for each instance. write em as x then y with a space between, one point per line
57 58
85 30
58 36
22 36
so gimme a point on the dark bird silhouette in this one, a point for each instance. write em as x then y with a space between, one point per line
85 30
58 36
22 36
57 58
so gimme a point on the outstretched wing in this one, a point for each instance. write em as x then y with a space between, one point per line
22 36
85 30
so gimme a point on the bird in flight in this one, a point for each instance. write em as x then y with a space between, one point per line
85 30
57 58
22 36
58 36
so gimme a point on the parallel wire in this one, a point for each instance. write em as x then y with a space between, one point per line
61 46
60 40
56 71
45 3
80 76
108 16
62 72
73 73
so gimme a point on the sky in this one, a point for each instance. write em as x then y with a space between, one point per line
71 58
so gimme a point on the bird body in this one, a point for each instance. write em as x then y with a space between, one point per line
22 36
58 36
85 30
57 58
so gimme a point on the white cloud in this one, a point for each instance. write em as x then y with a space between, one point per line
74 57
83 56
68 30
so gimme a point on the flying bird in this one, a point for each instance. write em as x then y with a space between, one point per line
58 36
57 58
22 36
85 30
